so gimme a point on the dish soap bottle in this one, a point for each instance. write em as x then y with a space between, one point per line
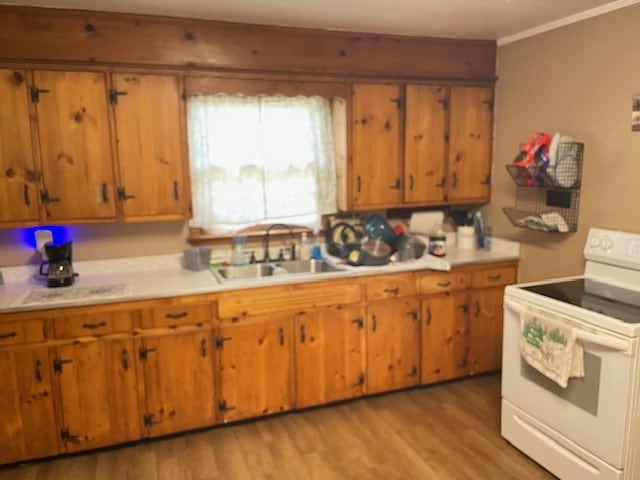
237 256
437 241
305 248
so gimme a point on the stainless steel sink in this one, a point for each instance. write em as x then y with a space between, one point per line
259 270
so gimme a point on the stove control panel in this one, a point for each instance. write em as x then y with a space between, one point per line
613 247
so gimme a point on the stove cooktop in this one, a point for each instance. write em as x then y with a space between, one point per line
616 302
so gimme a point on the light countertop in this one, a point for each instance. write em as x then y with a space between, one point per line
158 276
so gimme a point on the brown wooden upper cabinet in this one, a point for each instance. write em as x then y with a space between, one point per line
425 145
91 146
446 157
470 136
151 146
73 131
18 177
376 113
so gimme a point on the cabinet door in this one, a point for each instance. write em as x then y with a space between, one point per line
149 128
485 330
27 420
179 383
393 344
18 177
444 336
256 367
98 393
73 127
471 130
425 144
329 347
375 149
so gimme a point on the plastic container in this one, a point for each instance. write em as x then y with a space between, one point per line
437 241
305 247
197 258
466 238
237 256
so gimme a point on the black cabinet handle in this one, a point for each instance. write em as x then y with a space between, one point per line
37 373
124 359
454 179
203 347
25 195
411 181
302 334
176 315
396 186
92 326
392 291
35 93
113 96
8 335
104 190
176 195
45 198
428 316
444 284
359 184
374 323
443 182
281 335
122 194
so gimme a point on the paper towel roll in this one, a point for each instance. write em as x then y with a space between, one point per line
423 222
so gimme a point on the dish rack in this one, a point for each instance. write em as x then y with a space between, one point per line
547 199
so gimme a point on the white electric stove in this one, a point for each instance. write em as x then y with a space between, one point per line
591 429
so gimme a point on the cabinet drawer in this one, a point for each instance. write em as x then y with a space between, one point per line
390 286
491 277
16 333
176 315
443 282
99 323
288 298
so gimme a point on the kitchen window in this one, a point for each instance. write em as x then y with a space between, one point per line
263 159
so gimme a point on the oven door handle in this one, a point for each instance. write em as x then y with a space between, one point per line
584 336
612 343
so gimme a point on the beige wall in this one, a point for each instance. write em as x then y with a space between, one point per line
92 242
578 80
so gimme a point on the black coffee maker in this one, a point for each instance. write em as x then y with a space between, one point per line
58 269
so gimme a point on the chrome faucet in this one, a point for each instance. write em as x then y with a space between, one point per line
266 257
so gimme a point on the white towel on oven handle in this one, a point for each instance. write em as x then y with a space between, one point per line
550 347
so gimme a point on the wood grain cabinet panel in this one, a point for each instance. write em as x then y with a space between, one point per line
256 367
485 330
179 380
19 196
376 179
27 418
445 326
149 116
176 315
438 282
329 362
93 323
98 393
393 344
470 140
383 287
20 332
425 145
75 145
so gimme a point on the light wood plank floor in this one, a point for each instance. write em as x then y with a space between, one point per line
447 431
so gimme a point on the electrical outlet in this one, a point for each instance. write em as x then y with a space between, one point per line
42 237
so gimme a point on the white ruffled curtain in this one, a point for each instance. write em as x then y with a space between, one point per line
262 159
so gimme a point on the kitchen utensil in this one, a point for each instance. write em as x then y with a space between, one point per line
371 252
342 238
377 227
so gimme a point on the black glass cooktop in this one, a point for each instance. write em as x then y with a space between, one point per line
616 302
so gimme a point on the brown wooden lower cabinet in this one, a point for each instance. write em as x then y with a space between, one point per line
177 368
393 344
98 393
445 324
329 346
88 377
255 366
27 419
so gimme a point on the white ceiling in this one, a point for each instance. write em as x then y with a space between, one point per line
501 20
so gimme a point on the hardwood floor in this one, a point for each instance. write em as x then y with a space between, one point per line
447 431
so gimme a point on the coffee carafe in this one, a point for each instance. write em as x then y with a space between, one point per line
57 268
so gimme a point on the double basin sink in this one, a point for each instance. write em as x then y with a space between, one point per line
260 270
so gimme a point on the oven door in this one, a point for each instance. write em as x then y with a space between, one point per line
592 411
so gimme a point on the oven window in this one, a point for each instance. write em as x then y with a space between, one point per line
581 392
